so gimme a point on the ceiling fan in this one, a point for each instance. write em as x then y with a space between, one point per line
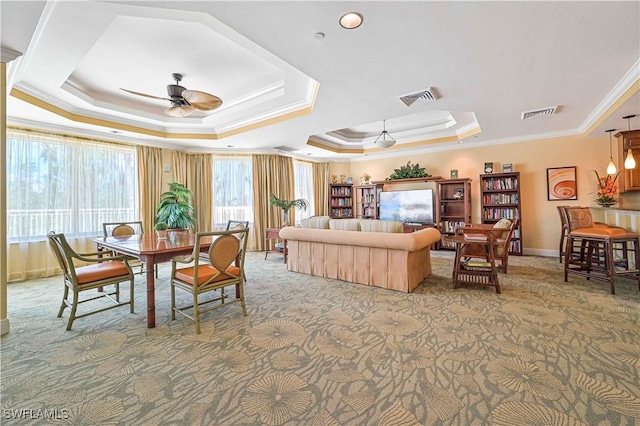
184 102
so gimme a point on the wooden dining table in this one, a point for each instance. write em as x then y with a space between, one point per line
151 250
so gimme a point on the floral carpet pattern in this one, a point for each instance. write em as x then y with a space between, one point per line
315 351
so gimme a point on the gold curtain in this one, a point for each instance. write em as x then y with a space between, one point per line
201 183
180 165
149 184
272 174
321 188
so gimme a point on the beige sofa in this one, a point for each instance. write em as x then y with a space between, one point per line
392 260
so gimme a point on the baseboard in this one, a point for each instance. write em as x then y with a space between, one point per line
541 252
4 326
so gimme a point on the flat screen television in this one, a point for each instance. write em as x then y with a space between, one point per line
414 206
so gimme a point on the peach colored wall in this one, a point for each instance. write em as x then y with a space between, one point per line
540 220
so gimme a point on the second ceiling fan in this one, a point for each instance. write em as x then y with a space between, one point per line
183 101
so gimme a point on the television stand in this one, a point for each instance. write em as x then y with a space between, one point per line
413 227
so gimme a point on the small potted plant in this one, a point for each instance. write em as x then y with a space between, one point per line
161 230
286 205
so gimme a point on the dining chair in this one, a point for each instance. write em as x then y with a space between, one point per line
215 274
101 271
502 231
232 225
123 229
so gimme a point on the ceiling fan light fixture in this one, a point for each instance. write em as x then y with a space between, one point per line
351 20
180 111
184 102
384 139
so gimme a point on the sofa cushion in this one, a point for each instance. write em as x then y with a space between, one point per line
316 222
374 225
345 224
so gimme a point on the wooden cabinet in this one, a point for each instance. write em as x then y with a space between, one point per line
341 200
500 196
631 177
367 201
406 228
453 207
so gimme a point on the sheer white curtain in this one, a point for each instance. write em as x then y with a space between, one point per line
66 185
233 192
303 185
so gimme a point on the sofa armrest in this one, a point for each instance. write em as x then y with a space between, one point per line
411 241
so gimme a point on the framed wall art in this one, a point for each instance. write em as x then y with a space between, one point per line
562 184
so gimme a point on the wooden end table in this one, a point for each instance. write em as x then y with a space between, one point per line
274 234
473 271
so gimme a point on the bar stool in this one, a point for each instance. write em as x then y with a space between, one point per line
590 249
564 230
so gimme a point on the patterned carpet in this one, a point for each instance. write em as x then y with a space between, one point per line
316 351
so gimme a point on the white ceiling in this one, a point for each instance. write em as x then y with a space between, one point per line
323 98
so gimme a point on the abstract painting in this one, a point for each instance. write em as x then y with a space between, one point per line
561 183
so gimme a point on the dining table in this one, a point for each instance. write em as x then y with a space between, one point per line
152 250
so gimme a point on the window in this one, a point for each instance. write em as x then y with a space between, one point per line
67 185
232 189
303 183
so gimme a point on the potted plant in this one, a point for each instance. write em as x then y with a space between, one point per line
161 230
175 208
285 205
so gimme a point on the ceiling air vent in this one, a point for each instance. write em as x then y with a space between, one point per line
286 148
534 113
421 97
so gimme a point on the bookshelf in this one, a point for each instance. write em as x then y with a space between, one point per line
341 200
367 201
453 207
500 197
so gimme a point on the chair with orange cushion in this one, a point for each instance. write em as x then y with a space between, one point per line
232 225
100 271
124 229
216 273
598 251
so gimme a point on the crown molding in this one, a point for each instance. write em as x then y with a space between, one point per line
7 55
623 88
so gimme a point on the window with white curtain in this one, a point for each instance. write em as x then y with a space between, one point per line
232 189
67 185
303 183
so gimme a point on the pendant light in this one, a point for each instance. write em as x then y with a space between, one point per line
611 168
384 143
629 161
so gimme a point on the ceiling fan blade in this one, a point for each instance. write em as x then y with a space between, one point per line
201 100
180 112
144 94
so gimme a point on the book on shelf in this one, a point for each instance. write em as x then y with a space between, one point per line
474 236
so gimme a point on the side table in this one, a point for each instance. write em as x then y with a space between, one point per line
474 272
274 234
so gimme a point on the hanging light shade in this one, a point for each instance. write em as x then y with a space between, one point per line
611 167
384 139
629 161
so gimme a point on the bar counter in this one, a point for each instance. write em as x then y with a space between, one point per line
628 218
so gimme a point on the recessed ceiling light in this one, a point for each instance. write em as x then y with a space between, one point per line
319 36
229 146
351 20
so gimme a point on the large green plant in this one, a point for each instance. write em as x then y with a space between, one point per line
408 171
175 207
